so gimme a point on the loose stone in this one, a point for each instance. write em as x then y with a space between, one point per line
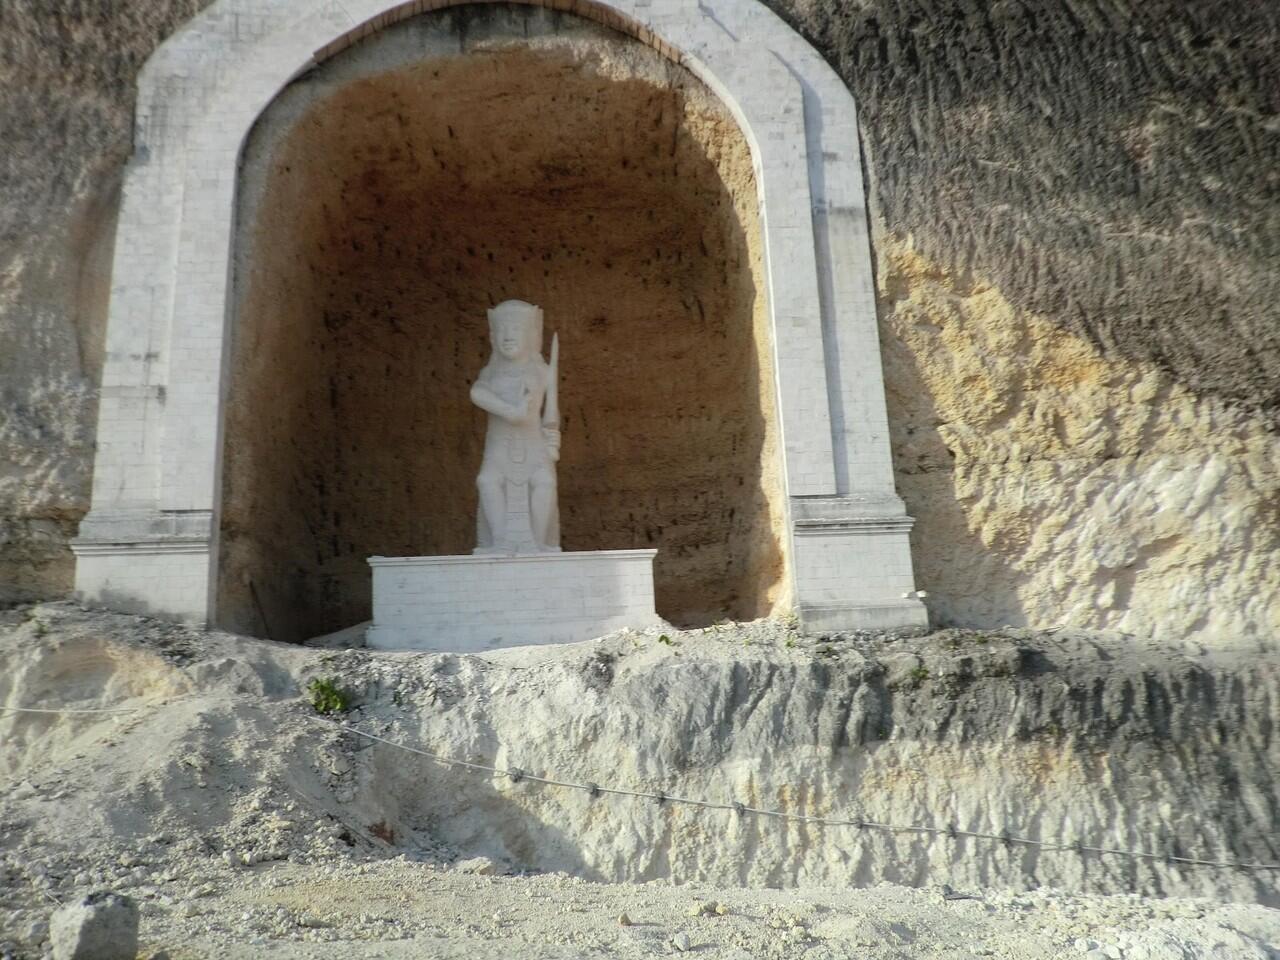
101 926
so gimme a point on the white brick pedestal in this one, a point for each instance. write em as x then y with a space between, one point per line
465 604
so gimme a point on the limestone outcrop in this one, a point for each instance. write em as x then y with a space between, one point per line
1055 483
1077 270
1066 738
1058 737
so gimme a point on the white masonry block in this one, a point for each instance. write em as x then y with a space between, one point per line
465 604
159 578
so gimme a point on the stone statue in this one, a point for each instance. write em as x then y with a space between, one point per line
518 511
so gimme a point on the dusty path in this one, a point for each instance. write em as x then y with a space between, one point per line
398 909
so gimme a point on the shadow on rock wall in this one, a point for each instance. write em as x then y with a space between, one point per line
1114 167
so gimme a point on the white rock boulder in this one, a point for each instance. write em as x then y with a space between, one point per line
101 926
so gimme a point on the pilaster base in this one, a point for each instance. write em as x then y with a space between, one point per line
905 616
853 565
153 563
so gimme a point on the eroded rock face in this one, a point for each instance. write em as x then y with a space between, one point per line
1053 482
1056 737
1079 196
1077 264
1063 738
1109 166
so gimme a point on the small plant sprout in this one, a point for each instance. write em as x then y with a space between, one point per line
327 698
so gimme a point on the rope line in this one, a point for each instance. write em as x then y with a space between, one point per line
67 710
594 790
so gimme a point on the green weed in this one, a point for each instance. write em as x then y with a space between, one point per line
327 697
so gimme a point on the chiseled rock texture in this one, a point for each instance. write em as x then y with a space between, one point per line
1055 484
1073 205
1064 738
1059 737
1078 257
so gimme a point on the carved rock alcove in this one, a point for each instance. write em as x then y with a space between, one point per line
387 200
325 200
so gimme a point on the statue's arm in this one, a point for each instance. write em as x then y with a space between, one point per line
487 401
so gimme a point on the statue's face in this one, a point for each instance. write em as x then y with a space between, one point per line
509 337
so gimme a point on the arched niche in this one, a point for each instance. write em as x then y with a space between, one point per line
151 539
411 181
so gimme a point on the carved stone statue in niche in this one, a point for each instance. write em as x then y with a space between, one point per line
519 512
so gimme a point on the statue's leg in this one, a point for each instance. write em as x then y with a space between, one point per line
543 515
493 506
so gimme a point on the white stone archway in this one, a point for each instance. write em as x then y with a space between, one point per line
150 539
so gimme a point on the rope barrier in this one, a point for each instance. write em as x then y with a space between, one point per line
67 710
517 775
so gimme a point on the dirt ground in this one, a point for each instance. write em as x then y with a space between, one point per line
392 908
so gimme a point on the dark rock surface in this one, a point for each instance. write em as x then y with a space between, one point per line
1112 165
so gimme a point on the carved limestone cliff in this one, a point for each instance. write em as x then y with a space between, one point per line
1073 214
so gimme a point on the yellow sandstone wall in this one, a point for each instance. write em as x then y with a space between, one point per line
1052 485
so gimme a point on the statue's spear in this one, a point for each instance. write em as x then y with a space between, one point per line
551 413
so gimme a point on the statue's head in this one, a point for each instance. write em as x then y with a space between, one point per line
515 329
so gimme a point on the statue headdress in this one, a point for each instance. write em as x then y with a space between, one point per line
531 314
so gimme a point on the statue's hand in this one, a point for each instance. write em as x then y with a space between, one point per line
552 437
522 409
